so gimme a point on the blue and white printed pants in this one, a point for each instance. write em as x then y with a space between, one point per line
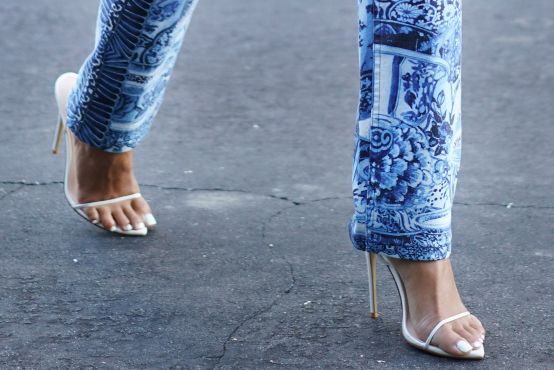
122 83
408 134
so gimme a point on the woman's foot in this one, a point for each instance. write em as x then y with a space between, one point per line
433 296
95 175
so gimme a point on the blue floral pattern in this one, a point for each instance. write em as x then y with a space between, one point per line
121 85
408 137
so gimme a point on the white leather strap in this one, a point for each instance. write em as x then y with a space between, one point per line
440 324
106 202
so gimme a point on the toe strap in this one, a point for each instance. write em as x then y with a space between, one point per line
107 202
441 324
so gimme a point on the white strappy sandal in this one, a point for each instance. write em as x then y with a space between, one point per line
62 87
371 258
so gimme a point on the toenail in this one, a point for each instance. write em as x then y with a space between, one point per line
477 344
113 228
463 346
128 227
150 219
140 226
94 221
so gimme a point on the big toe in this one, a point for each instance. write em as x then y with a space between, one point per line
135 219
142 209
458 339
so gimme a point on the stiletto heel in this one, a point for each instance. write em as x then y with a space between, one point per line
475 354
62 87
58 136
371 260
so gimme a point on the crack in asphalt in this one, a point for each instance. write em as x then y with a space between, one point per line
292 204
271 250
292 275
13 191
30 183
504 205
261 311
161 187
268 308
272 196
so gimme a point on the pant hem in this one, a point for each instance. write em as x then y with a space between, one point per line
409 250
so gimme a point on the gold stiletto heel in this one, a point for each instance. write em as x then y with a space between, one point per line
371 259
58 136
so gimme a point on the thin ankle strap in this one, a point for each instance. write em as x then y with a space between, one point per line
106 202
440 325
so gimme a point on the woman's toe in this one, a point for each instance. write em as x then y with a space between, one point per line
471 335
92 215
150 220
106 218
462 346
458 346
134 218
141 207
452 342
476 324
121 219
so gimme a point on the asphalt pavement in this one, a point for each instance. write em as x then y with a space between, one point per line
248 169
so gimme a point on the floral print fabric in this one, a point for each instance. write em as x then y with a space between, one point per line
408 136
121 85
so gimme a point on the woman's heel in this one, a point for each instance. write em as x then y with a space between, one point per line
58 136
371 259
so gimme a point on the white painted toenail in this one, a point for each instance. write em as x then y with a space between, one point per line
128 227
113 228
463 346
150 219
140 226
94 221
477 344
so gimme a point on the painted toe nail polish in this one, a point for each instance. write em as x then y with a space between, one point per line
128 227
463 346
477 344
94 221
140 226
150 219
113 228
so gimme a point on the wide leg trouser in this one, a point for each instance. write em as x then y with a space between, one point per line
122 83
408 136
